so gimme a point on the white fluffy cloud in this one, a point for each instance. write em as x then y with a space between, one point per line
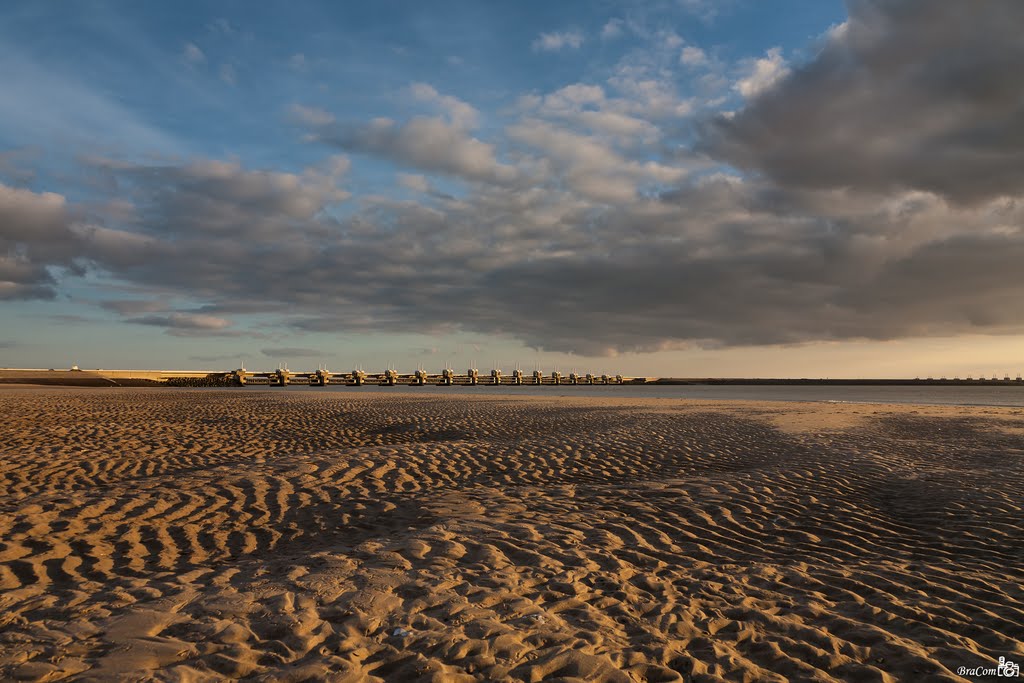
591 166
762 74
429 144
693 56
587 105
460 113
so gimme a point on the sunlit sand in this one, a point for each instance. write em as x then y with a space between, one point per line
361 535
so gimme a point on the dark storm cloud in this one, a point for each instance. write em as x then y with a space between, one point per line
717 261
887 203
976 287
910 94
34 236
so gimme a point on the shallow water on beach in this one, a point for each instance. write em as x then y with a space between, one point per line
1012 395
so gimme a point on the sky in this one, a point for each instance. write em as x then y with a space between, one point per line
689 188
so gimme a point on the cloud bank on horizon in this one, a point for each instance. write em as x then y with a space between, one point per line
629 181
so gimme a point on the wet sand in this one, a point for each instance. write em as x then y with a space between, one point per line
359 535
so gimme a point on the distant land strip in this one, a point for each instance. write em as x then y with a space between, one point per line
157 378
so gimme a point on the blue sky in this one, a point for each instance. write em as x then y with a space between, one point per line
646 187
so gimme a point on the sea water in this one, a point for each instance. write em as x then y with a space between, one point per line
1010 395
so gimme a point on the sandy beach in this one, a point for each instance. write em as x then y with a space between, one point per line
354 535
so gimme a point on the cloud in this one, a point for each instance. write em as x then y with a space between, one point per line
588 106
460 113
554 41
649 97
35 236
133 306
310 116
693 56
184 324
915 94
192 54
297 62
590 165
12 165
763 74
214 199
414 182
227 73
222 26
874 193
429 144
186 321
612 29
706 10
569 263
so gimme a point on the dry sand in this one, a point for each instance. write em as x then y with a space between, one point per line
348 535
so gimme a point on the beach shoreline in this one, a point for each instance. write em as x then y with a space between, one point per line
210 534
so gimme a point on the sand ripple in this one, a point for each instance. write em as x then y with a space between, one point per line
358 536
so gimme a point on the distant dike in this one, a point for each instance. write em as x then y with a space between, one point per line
100 378
838 382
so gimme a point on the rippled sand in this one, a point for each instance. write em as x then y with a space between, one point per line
360 535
